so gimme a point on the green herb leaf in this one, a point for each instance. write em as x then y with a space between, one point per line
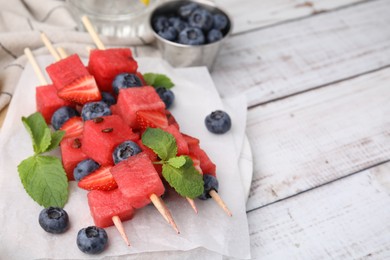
177 162
39 131
161 142
44 179
158 80
56 138
186 180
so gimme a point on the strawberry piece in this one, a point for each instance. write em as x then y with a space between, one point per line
81 90
191 141
151 118
171 119
73 127
101 179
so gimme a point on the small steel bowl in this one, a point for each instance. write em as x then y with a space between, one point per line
181 55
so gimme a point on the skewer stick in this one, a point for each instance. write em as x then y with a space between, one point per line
35 66
92 32
220 202
159 204
118 224
193 205
50 47
61 51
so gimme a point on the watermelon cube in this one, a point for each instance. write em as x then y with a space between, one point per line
131 100
73 81
104 65
71 154
104 205
195 151
101 138
47 101
182 146
137 179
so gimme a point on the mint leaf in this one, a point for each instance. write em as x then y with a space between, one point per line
56 138
39 131
177 162
158 80
186 180
161 142
44 179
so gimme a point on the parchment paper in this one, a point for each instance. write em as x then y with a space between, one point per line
208 234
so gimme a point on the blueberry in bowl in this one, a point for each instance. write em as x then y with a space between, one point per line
190 32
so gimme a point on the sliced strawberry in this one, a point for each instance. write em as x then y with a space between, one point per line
151 118
73 127
81 90
141 77
171 119
101 179
190 140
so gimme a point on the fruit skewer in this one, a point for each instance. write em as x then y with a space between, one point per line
58 56
157 202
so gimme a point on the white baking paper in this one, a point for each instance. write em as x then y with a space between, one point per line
210 234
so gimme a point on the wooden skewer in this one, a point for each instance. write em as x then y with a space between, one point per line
164 211
92 32
193 205
220 202
119 226
61 51
50 47
35 66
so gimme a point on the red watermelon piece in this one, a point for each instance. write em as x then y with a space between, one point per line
137 179
207 166
48 102
101 138
182 146
71 155
73 81
131 100
104 65
152 156
104 205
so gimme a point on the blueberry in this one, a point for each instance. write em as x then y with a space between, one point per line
84 168
125 80
108 98
210 183
125 150
178 24
168 33
186 10
214 35
218 122
160 22
92 240
62 115
92 110
54 220
202 19
166 96
220 21
191 36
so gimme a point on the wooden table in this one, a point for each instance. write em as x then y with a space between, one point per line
317 78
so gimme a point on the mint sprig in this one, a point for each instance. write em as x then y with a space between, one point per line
43 177
158 80
178 171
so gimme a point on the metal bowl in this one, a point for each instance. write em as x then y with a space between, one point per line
181 55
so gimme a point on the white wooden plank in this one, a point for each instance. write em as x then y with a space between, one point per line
347 219
293 57
307 140
254 14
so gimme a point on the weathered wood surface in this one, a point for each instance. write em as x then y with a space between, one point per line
307 140
253 14
347 219
283 60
